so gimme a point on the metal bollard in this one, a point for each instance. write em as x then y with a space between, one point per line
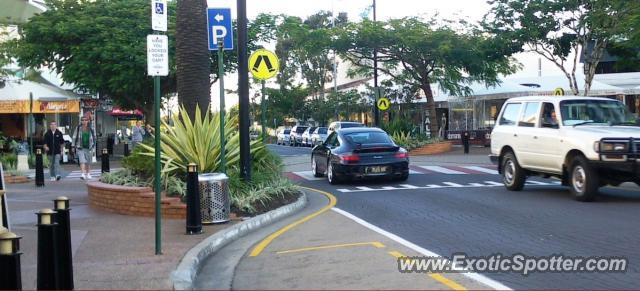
63 241
39 168
194 216
47 251
105 161
10 276
126 149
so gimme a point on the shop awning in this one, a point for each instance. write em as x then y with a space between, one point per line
117 112
14 98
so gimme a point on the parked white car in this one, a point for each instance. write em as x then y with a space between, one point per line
336 125
586 142
282 137
319 136
306 136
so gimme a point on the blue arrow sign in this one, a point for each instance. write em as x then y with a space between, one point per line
219 27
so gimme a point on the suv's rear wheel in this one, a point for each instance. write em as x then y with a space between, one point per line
583 180
513 176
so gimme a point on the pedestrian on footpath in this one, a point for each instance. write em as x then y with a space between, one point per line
53 147
85 142
465 141
137 134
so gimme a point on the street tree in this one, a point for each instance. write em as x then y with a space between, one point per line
98 46
563 31
416 52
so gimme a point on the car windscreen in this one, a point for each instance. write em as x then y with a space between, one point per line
588 111
287 131
348 125
301 129
322 130
368 137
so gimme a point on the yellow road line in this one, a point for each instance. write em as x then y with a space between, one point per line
438 277
265 242
375 244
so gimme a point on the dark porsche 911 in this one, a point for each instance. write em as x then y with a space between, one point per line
359 153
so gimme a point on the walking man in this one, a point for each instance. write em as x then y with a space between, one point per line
53 146
85 142
137 134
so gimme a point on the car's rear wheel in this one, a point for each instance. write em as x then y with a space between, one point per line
314 167
331 174
513 176
583 180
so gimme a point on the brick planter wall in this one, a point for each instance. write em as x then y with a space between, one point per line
138 201
432 149
16 179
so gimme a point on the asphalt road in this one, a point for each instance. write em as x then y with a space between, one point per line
474 214
288 151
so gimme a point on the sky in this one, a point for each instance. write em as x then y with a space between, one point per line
472 10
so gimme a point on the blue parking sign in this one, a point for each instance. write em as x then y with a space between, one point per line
159 8
219 28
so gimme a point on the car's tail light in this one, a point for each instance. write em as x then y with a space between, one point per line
350 158
402 155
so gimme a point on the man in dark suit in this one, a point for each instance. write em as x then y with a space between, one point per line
53 146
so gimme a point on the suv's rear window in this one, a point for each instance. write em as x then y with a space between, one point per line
287 131
301 129
322 130
510 114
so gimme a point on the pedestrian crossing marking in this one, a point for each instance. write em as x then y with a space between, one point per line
481 169
487 184
417 170
442 170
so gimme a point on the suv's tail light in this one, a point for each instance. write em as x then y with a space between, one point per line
350 158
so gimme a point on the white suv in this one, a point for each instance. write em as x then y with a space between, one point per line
586 142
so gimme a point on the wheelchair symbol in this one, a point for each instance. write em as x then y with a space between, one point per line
159 8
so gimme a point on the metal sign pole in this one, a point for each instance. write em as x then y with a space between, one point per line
223 158
156 109
243 92
263 119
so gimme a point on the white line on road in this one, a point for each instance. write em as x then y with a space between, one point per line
481 169
407 186
452 184
536 183
442 170
477 277
492 183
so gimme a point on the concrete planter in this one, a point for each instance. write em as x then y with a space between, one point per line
137 201
10 179
432 149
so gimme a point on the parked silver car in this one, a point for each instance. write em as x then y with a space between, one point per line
319 136
295 137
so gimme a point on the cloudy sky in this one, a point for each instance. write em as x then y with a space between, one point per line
472 10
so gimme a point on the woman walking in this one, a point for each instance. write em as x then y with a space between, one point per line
85 142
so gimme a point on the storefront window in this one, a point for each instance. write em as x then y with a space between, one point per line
472 114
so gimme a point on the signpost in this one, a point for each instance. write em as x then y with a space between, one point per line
263 65
158 65
558 92
220 34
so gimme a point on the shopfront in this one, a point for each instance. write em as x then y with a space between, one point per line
16 114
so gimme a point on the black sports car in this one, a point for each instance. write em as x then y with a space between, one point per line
359 153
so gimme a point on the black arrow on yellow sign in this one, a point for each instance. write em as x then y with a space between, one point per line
267 62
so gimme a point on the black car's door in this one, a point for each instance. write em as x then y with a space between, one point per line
322 152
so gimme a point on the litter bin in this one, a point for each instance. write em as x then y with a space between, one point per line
214 197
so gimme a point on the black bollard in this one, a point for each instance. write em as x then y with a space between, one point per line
10 275
126 149
47 251
63 240
39 168
105 161
194 215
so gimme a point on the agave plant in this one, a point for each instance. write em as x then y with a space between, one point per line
198 141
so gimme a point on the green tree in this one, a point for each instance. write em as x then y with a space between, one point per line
418 53
99 46
555 29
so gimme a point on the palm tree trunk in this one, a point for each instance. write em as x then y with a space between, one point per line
192 55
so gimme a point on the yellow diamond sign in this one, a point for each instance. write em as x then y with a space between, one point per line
263 64
383 103
558 92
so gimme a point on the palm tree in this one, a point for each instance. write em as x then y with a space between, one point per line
192 55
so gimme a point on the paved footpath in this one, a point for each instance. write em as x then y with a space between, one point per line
110 251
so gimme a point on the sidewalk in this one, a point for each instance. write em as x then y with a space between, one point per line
110 251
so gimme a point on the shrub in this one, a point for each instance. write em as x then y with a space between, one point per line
410 142
9 161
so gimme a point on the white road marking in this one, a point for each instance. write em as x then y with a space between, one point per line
308 175
407 186
442 170
474 276
390 188
536 183
363 188
492 183
476 185
452 184
482 169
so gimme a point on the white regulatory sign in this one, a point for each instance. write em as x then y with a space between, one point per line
157 55
159 15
